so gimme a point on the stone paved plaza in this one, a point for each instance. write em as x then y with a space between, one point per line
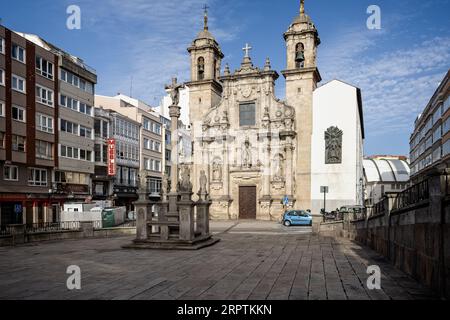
253 260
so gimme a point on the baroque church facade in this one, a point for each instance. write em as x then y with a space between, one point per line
254 148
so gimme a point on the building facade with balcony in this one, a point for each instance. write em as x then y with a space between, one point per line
102 182
75 123
125 133
28 134
430 141
151 148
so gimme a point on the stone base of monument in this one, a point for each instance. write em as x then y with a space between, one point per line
180 223
156 244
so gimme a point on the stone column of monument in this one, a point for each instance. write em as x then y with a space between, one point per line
226 174
203 205
142 208
266 199
174 112
186 206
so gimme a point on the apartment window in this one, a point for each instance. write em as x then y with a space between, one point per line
18 113
2 109
157 165
69 127
11 173
147 144
446 148
18 53
157 146
147 124
44 68
98 153
168 155
85 155
125 177
157 128
44 150
105 154
105 129
18 83
44 123
84 108
2 140
2 45
44 96
37 177
155 186
97 127
18 143
147 164
75 81
85 132
68 102
247 114
437 134
2 77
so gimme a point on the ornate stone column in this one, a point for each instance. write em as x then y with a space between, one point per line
289 169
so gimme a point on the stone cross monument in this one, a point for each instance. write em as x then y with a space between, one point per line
175 226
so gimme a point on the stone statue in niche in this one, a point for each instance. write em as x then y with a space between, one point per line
247 160
217 170
333 146
278 173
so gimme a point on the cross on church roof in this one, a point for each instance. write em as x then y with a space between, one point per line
247 49
205 8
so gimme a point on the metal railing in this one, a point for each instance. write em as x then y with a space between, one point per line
52 226
97 224
5 231
413 195
379 208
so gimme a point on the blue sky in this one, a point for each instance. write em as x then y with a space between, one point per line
398 67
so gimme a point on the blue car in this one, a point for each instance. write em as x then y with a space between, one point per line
297 218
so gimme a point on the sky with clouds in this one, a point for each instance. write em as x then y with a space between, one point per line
144 42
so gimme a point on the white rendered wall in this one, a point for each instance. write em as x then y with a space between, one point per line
336 104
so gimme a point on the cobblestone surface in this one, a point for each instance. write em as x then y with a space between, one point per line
253 260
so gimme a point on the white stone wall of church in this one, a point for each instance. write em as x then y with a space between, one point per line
336 104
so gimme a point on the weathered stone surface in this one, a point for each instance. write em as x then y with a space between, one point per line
248 263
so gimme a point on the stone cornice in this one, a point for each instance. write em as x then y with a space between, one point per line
314 70
216 84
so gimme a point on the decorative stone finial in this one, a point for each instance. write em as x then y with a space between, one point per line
302 7
227 70
267 66
205 8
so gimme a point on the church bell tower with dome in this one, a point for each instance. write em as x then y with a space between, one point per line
302 76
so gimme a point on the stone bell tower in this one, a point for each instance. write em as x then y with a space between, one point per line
205 89
302 76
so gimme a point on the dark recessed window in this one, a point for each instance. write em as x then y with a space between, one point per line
247 114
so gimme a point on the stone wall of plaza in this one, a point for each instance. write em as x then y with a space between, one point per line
430 141
411 229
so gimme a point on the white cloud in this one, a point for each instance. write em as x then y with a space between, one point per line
155 35
396 85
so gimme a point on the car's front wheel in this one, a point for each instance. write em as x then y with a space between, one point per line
287 223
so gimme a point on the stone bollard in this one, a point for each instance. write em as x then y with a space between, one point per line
317 219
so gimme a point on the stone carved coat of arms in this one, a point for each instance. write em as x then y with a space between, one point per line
333 145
